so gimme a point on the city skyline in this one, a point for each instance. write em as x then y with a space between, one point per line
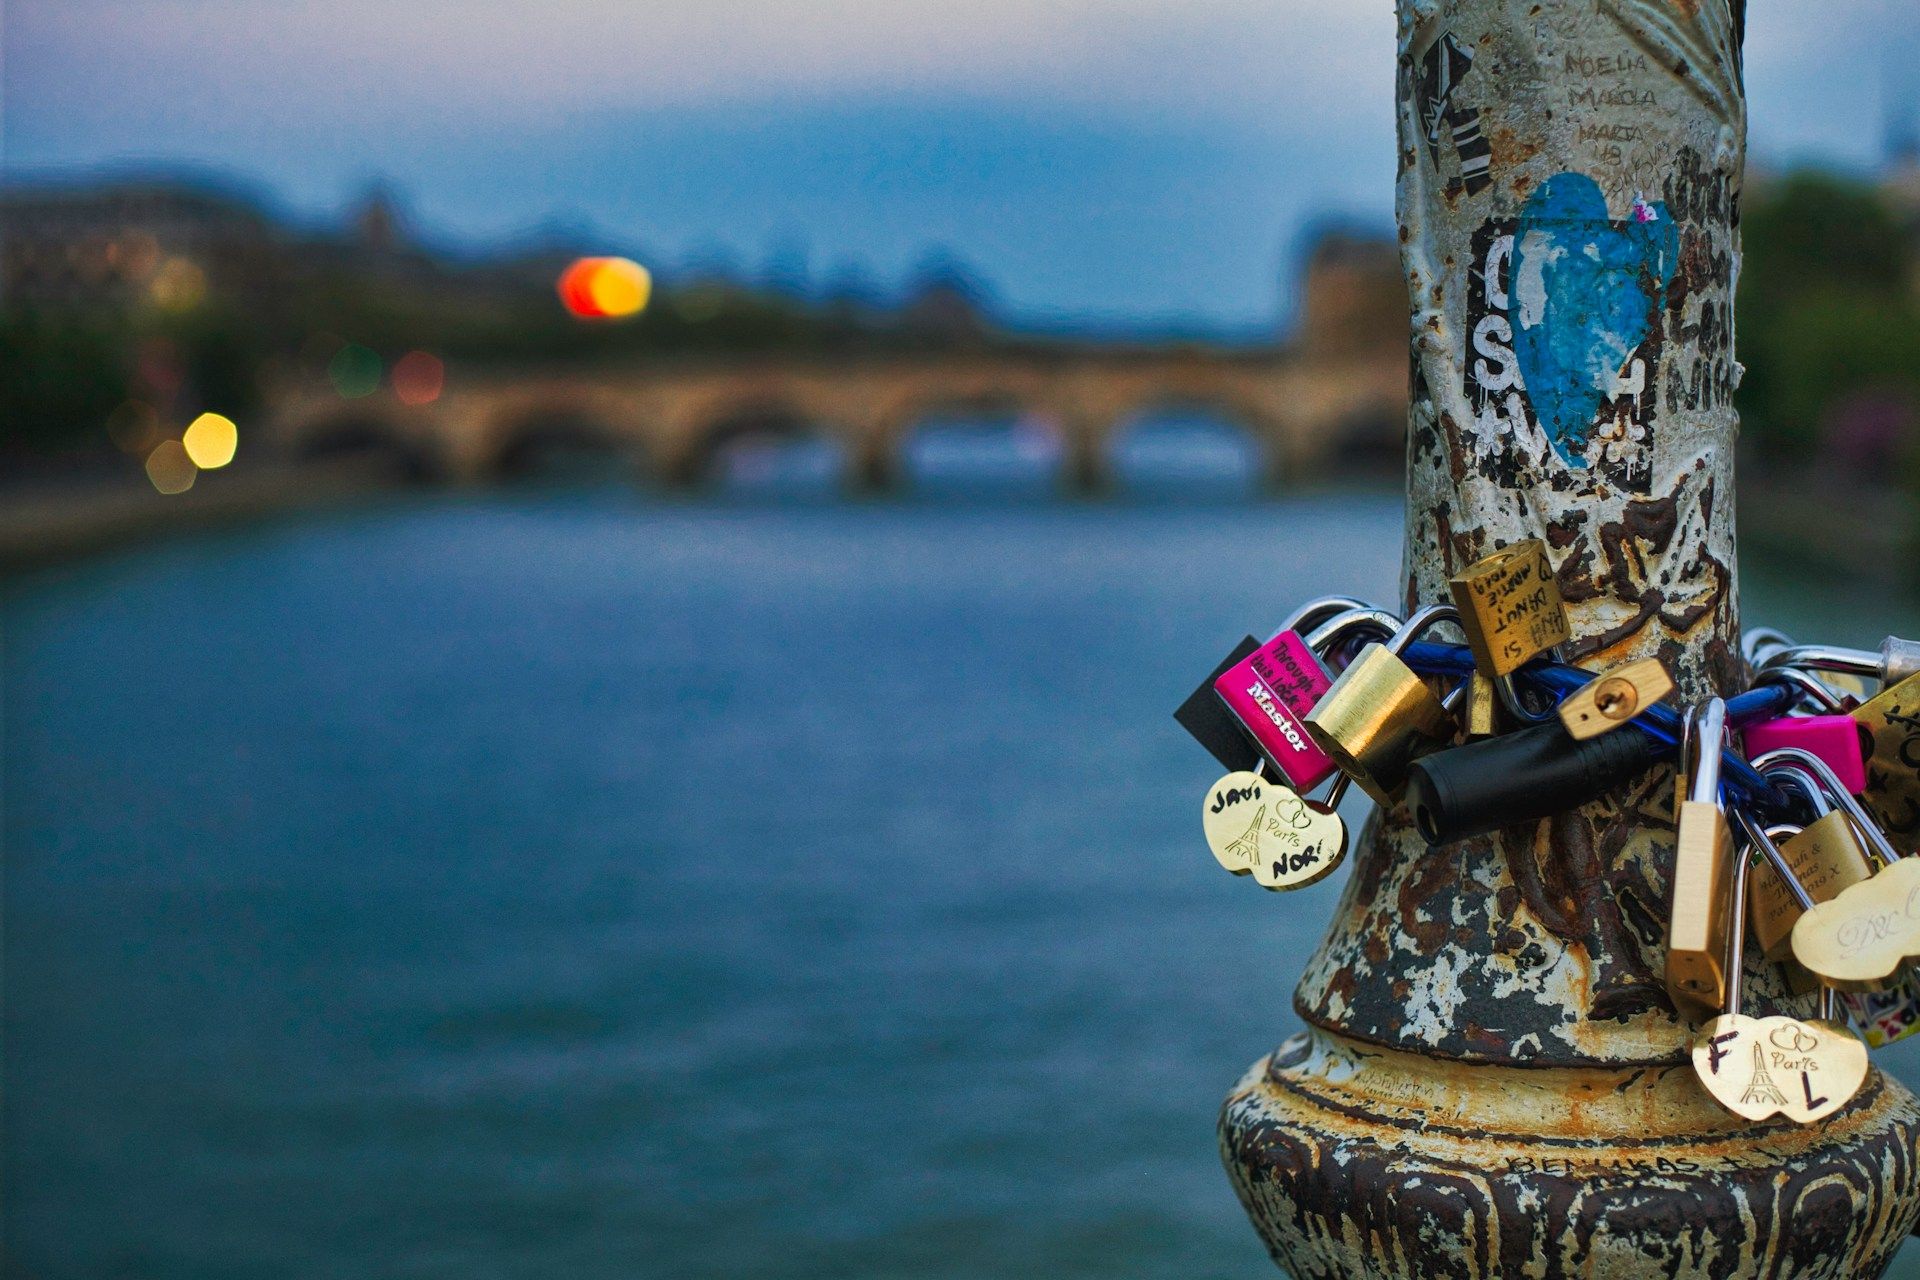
1130 162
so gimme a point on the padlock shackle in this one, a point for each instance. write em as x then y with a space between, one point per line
1736 953
1335 628
1423 620
1757 642
1808 786
1707 724
1863 822
1760 839
1809 687
1779 831
1316 610
1826 657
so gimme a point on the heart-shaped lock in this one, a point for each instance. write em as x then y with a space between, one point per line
1864 934
1265 829
1757 1067
1302 843
1234 816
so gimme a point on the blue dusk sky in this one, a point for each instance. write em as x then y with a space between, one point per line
1122 162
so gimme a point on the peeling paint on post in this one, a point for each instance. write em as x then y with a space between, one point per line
1495 1082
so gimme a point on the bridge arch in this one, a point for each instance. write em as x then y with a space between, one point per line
1223 408
560 437
367 438
724 426
984 402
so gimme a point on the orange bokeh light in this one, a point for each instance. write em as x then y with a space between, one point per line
418 377
605 288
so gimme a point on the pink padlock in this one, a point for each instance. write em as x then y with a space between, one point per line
1835 739
1269 692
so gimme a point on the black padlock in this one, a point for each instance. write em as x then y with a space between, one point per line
1520 777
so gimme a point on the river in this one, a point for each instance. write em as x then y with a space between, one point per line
581 884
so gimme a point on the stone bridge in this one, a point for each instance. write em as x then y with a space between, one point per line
674 421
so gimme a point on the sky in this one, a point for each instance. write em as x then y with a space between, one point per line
1122 162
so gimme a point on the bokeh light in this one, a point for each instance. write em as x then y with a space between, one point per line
169 467
210 441
419 377
354 371
605 288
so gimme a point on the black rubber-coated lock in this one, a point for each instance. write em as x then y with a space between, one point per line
1520 777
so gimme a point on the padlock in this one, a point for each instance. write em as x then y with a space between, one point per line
1825 854
1380 714
1758 1067
1216 728
1524 776
1873 838
1838 740
1865 937
1266 830
1697 918
1480 717
1510 607
1892 721
1270 689
1615 697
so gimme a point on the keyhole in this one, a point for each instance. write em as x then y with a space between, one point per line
1615 700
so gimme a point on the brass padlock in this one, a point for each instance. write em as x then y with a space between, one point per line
1702 854
1614 697
1825 855
1380 715
1481 715
1892 720
1510 607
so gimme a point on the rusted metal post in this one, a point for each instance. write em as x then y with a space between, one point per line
1494 1080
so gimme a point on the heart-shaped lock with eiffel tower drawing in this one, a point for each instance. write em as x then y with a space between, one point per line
1265 829
1759 1067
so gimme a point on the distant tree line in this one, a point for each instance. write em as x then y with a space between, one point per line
1828 312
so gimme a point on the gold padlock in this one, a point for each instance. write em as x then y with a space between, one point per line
1892 720
1825 855
1510 607
1380 715
1614 697
1702 854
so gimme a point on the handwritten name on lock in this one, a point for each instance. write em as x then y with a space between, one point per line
1510 607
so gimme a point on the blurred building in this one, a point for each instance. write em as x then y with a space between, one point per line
84 249
1353 298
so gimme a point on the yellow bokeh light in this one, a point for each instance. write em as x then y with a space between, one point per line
619 287
169 467
211 440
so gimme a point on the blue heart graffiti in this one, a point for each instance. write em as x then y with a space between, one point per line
1586 292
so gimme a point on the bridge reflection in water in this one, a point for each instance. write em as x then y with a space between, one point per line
1085 420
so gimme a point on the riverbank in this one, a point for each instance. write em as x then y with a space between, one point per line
1868 536
56 520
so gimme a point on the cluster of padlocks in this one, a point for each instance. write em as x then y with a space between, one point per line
1812 773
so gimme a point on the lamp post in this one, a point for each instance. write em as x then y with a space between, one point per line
1494 1082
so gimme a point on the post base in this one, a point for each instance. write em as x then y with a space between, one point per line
1356 1162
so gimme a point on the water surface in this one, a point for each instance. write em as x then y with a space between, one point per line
576 885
